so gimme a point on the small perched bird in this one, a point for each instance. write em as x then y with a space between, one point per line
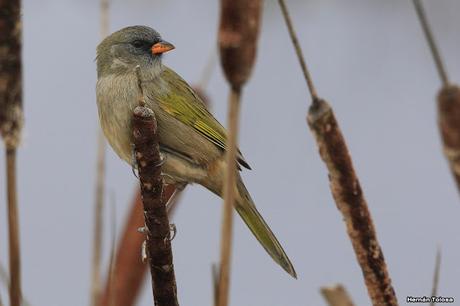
192 141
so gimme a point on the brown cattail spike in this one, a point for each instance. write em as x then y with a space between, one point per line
349 198
159 253
449 125
11 114
238 34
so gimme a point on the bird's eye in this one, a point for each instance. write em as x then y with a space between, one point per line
138 43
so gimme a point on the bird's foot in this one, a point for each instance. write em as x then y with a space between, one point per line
173 230
144 251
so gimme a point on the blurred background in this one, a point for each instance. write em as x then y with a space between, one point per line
369 59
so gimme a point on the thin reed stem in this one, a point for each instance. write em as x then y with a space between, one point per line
229 198
96 285
437 269
298 50
431 42
13 229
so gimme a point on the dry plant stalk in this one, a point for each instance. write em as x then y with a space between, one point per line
449 125
349 198
346 189
159 253
238 33
129 271
336 296
96 286
437 269
448 101
11 122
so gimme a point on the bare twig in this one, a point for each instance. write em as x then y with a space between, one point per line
298 50
148 160
437 269
238 33
11 121
346 190
431 42
336 296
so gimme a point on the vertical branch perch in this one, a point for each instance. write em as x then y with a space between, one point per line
238 33
347 192
11 121
148 159
129 270
448 101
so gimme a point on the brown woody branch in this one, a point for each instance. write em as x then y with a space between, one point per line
349 198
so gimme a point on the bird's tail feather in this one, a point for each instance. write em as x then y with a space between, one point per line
248 212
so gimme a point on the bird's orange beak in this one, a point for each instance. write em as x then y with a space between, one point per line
162 47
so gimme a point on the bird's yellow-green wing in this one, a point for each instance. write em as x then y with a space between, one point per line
181 102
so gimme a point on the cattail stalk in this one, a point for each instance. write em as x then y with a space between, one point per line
336 296
437 269
128 270
158 240
238 33
448 101
100 187
11 122
346 190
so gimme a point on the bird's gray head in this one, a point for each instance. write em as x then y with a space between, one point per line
123 50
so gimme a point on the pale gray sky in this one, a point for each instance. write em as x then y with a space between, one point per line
368 59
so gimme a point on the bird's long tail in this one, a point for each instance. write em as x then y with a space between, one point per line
248 212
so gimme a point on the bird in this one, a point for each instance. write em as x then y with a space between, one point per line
192 142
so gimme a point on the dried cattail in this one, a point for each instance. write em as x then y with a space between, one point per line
349 199
449 125
148 159
11 122
11 114
238 34
129 270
